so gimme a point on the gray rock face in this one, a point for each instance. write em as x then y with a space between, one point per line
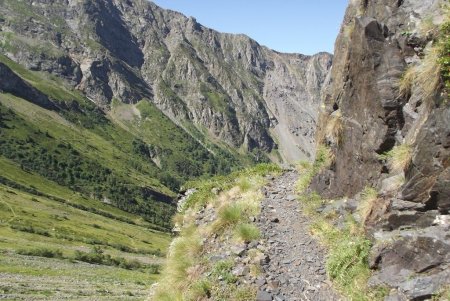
379 40
228 86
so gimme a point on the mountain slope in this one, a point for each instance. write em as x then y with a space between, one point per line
215 86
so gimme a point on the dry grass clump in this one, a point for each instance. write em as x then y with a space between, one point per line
426 75
406 82
399 158
428 28
368 200
179 270
233 211
429 74
433 70
250 202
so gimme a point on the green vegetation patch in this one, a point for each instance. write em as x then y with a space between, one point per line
204 188
218 100
444 50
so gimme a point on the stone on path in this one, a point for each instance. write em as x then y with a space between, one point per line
263 296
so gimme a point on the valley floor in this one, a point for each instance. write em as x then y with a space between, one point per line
296 270
38 278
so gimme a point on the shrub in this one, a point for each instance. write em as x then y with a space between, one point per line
31 229
154 268
42 252
96 256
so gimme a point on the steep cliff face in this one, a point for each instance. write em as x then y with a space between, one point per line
228 86
386 118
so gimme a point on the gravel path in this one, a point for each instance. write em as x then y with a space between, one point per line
296 270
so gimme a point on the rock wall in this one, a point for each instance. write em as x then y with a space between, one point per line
368 112
228 86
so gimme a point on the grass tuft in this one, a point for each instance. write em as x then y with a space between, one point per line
222 270
347 262
348 249
245 293
181 257
247 232
229 214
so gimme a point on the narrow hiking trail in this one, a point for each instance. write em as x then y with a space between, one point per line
296 269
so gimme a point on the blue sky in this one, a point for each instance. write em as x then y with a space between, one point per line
303 26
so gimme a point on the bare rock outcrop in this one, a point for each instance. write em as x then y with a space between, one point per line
370 115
